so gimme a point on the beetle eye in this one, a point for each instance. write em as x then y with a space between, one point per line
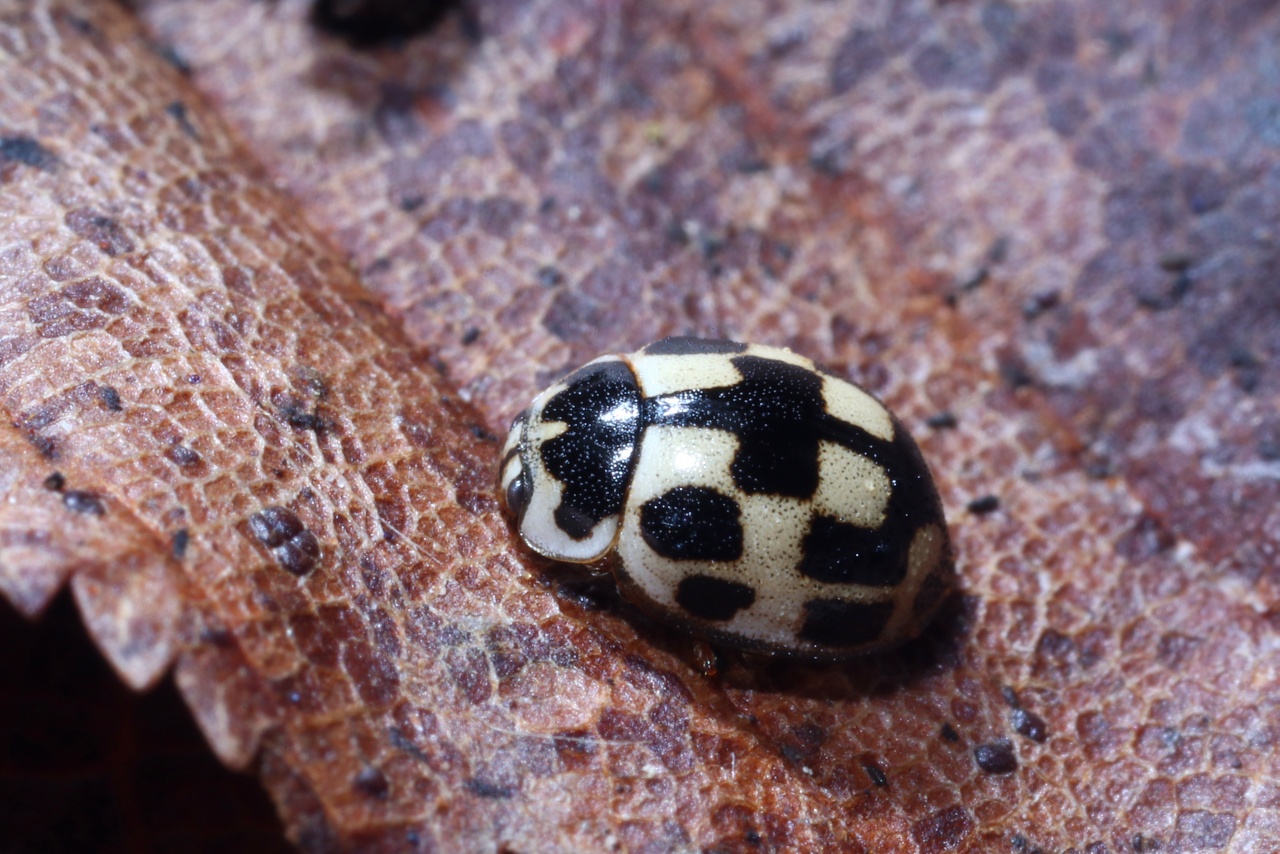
518 492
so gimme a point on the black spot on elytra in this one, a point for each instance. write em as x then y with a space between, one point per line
28 152
594 457
832 622
678 346
692 523
713 598
839 553
294 547
775 411
778 413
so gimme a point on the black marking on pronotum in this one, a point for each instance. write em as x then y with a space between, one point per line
594 457
678 346
836 623
713 598
693 523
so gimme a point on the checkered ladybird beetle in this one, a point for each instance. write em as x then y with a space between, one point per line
747 495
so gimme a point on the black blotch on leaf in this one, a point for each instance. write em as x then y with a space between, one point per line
28 151
1030 725
110 398
366 23
486 789
294 547
942 421
372 782
996 757
181 539
55 482
984 505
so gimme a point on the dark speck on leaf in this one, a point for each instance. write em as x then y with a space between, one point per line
942 421
549 277
1030 725
877 776
949 733
485 789
482 434
170 54
984 505
974 280
996 757
296 416
1040 303
84 502
181 539
469 337
110 398
178 111
372 782
55 482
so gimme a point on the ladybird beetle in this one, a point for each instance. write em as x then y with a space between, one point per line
747 496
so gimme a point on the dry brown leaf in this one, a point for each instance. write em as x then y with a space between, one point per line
1055 221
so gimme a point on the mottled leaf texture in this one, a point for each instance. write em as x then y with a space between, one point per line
268 293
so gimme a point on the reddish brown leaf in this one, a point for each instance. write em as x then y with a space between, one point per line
1053 222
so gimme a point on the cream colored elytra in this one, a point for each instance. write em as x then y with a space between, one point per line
746 494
